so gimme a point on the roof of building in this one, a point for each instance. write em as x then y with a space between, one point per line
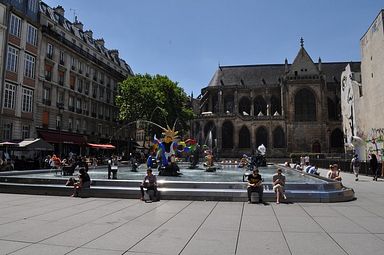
270 74
84 37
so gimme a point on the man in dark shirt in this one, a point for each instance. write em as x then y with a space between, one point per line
150 183
255 185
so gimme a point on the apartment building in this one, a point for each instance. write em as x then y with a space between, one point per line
64 89
19 45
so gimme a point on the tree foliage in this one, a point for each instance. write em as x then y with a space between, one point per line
154 98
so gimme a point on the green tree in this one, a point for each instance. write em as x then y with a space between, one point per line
155 98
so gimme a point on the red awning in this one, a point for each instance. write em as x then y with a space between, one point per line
101 146
57 137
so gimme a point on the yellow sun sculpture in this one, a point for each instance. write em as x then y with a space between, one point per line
170 134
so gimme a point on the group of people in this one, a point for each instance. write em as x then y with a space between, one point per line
255 184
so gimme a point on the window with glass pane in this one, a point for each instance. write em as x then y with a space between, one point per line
49 50
29 66
78 103
9 96
7 131
32 35
58 122
62 57
26 131
77 124
46 96
12 59
15 25
70 123
27 100
32 5
60 97
70 101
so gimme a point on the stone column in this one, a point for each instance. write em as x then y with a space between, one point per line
252 113
220 98
236 102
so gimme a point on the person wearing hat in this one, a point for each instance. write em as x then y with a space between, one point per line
255 185
355 166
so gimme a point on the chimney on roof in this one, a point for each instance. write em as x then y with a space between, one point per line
60 10
114 53
100 42
78 25
88 33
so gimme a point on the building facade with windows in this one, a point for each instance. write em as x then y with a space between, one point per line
286 107
57 81
19 51
78 82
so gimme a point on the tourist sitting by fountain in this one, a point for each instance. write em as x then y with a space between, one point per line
255 185
334 173
149 183
278 182
84 182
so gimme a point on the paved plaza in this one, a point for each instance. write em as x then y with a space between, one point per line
31 224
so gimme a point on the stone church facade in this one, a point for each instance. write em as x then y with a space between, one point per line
287 107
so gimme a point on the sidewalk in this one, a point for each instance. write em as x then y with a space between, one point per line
64 225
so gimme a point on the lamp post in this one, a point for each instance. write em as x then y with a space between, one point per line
61 110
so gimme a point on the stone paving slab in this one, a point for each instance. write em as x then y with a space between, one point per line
31 224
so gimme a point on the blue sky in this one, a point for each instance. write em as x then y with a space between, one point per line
187 40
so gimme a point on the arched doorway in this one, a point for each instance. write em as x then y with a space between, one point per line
316 147
244 138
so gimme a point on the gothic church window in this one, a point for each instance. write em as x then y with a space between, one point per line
305 106
245 106
260 106
275 105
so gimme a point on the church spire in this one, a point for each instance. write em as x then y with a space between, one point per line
301 42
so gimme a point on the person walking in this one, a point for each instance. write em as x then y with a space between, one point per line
374 166
355 166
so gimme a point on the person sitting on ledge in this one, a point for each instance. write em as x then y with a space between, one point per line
334 173
278 182
150 183
255 185
84 182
